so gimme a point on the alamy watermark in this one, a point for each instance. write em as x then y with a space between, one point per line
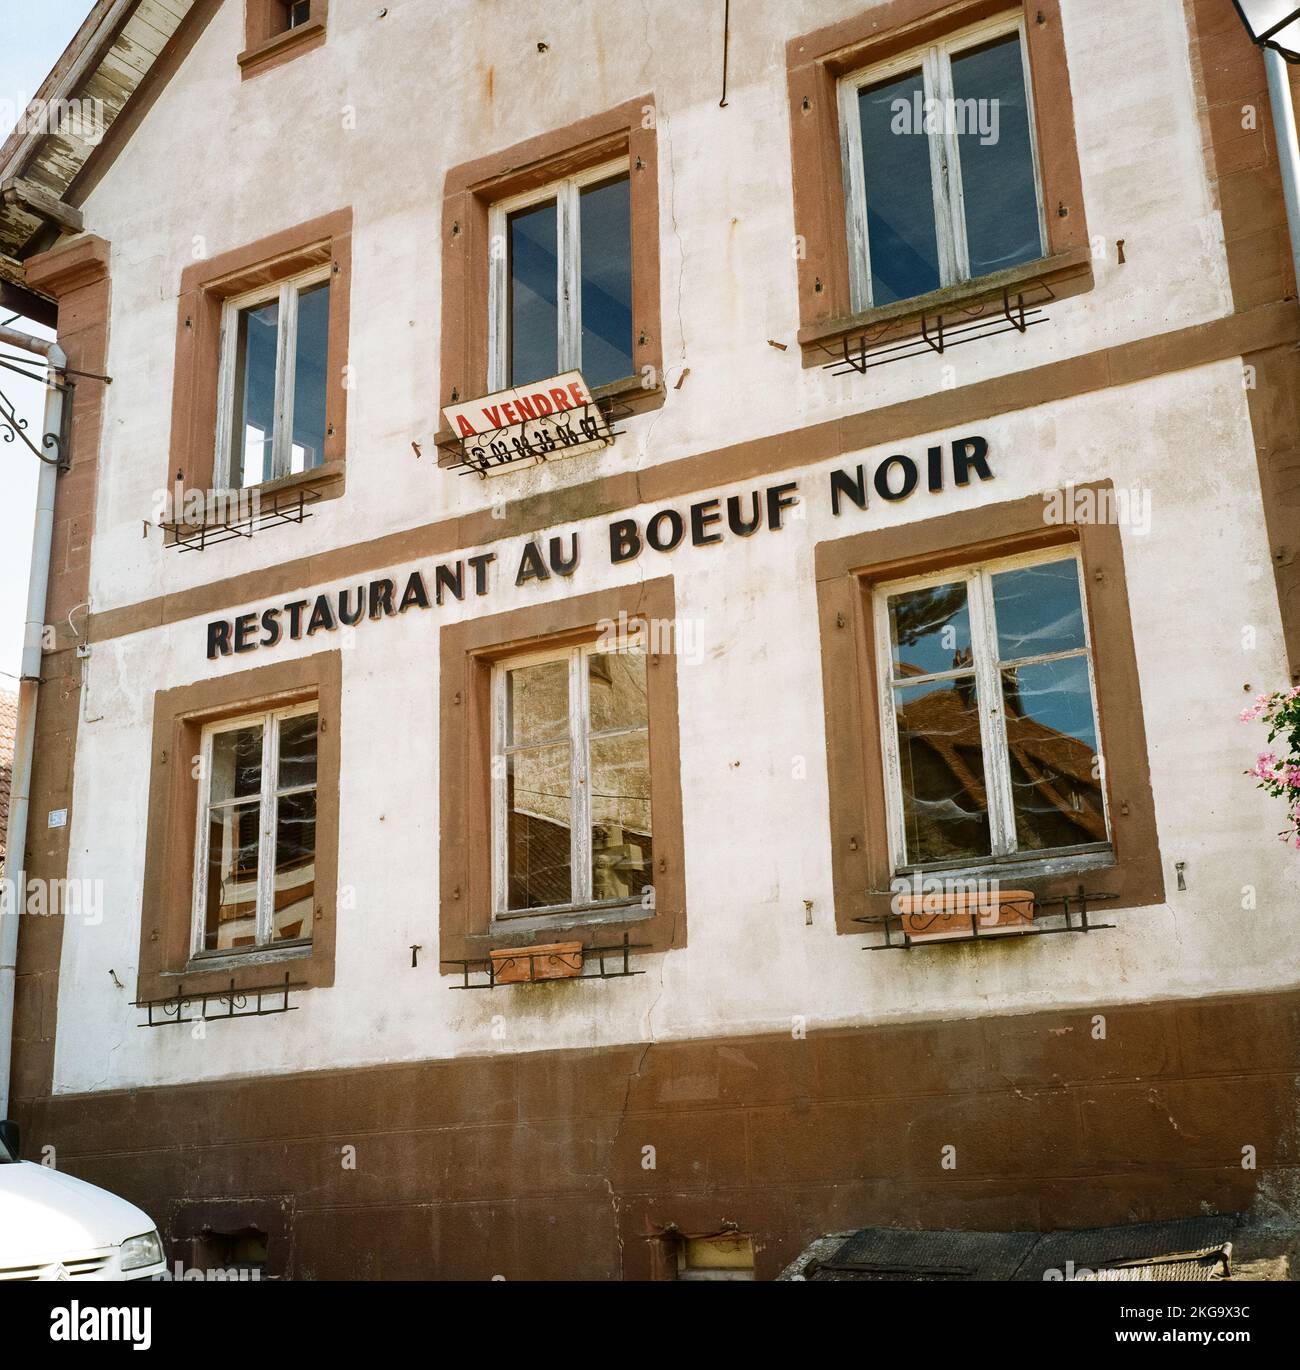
965 118
81 119
683 637
1092 505
182 506
77 898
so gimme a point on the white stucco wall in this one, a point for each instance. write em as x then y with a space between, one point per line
757 841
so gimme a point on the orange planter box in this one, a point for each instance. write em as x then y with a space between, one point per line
554 961
943 917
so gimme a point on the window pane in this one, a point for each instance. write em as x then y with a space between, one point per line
606 282
900 201
254 420
538 822
1038 610
537 703
231 877
997 160
236 764
310 372
616 686
534 316
930 630
1052 741
620 815
297 752
295 866
941 756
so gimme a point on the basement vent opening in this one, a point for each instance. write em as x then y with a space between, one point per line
724 1256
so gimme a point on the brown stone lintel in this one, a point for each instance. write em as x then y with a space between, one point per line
69 266
1231 336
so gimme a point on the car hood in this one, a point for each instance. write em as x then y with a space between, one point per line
45 1216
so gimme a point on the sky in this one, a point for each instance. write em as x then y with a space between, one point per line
33 34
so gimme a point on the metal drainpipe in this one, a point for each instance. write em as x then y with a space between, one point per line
1288 145
12 895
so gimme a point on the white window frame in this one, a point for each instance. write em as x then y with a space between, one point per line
567 194
579 739
978 579
287 293
935 62
268 797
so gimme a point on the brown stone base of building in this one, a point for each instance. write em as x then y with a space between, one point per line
585 1164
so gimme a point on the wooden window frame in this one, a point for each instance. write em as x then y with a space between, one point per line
849 571
321 246
580 736
268 45
288 292
816 65
567 195
167 920
935 61
269 797
1004 858
628 134
469 651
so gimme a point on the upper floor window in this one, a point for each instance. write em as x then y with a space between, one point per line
560 282
571 780
990 722
940 166
297 12
273 381
255 866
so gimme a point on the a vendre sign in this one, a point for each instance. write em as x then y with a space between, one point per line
527 424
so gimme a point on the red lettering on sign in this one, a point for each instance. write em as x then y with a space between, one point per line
560 398
465 430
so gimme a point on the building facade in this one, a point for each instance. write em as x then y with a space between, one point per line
931 515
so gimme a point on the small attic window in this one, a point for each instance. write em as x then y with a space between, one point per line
278 30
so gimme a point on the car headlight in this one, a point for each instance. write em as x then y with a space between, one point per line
141 1251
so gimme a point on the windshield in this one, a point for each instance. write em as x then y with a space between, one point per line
6 1156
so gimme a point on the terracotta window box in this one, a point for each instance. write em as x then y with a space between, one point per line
945 917
551 961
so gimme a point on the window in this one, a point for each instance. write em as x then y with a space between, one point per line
561 281
277 31
990 721
255 872
941 177
559 774
571 780
273 382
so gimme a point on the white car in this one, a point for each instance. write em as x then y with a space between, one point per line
54 1227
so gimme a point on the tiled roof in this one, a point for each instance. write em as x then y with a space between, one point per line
8 727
